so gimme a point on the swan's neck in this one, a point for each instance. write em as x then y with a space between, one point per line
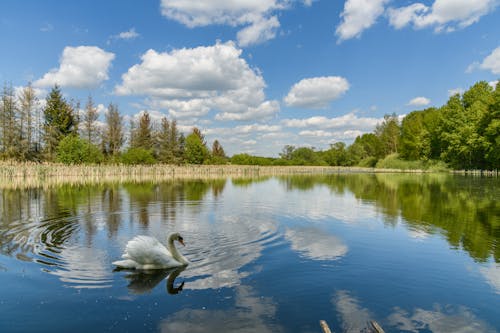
175 254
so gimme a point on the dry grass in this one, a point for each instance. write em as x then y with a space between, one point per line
22 175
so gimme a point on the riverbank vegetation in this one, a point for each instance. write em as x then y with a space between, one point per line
462 134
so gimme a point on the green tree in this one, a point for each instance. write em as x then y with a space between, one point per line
491 125
389 133
337 154
75 150
138 156
196 151
59 121
463 126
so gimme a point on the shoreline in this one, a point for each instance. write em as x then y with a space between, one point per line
15 175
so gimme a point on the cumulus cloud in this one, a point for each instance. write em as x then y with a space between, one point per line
317 92
80 67
261 30
256 16
443 15
347 121
492 62
357 16
191 82
419 101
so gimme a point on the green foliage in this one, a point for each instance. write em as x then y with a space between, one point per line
245 159
59 121
196 151
74 150
138 156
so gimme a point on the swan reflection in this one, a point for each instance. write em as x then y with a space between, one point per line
143 281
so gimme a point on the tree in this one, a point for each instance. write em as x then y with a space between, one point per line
491 125
142 135
89 118
9 127
59 121
420 136
196 151
463 128
389 133
28 107
113 137
218 154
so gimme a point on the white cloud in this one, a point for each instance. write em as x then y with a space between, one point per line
261 30
130 34
493 84
256 16
125 35
419 101
316 92
80 67
358 15
492 62
401 17
444 15
191 82
347 121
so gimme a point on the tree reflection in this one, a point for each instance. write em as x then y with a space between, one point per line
465 210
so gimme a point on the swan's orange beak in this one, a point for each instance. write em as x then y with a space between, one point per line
182 242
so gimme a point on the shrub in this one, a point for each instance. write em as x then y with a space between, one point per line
138 156
74 150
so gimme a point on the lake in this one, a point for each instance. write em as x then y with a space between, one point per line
416 253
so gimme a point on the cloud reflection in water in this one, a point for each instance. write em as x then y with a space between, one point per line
250 314
316 244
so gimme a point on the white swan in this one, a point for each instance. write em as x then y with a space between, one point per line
144 252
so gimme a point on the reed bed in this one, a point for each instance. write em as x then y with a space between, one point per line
22 175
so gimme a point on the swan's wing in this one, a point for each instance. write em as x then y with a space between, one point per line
148 251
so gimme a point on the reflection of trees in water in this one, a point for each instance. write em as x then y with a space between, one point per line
465 209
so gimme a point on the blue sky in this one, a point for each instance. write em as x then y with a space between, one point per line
254 74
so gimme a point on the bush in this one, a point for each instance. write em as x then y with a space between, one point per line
74 150
368 162
394 162
138 156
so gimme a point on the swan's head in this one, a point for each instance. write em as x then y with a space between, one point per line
177 236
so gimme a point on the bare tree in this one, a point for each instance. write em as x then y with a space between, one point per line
113 137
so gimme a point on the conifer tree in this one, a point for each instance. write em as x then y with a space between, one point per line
59 121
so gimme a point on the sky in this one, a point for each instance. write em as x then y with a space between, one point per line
254 74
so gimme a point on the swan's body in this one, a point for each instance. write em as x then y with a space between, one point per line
144 252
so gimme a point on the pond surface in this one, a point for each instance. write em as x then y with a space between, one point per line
416 253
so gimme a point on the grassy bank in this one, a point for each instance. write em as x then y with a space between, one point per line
35 175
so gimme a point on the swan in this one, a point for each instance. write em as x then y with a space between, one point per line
144 252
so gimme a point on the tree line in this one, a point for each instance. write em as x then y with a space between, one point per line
60 132
462 134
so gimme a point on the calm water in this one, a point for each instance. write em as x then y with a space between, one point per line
415 253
